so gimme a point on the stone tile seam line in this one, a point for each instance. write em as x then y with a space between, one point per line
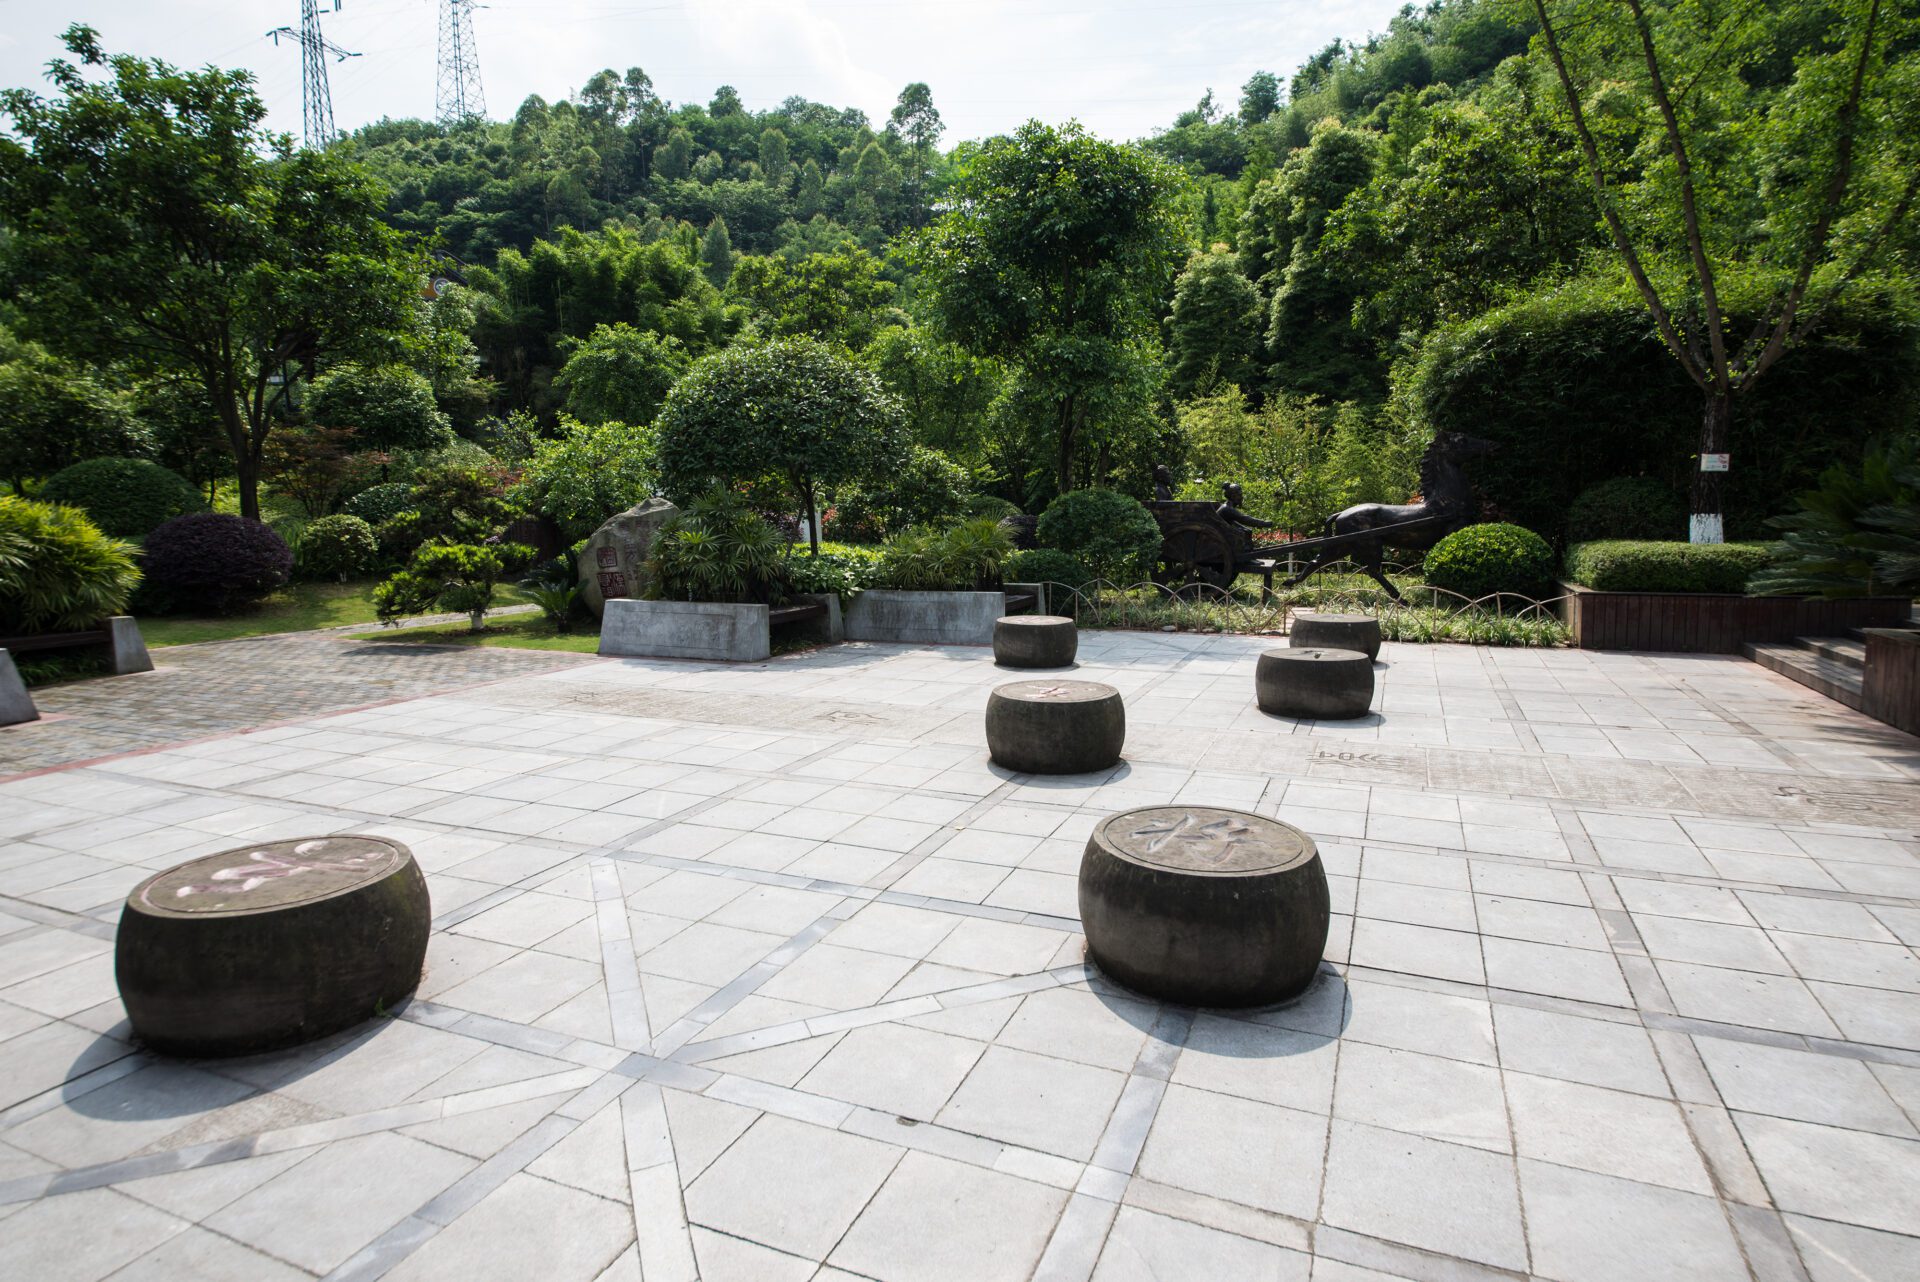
279 724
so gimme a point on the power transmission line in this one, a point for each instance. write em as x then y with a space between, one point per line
457 94
316 99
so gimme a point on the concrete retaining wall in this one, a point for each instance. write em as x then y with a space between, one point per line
633 629
925 618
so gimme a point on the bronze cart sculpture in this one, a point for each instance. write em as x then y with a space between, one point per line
1213 544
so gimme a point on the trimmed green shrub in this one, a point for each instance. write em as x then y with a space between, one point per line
337 547
1110 533
840 568
456 577
930 489
212 562
58 572
964 557
126 497
379 504
718 549
1575 383
1627 565
586 474
1627 507
1484 559
1046 565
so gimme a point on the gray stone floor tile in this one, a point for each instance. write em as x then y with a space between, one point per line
1255 1061
195 1255
937 1220
367 1185
910 1072
1144 1247
789 1185
1850 1176
1417 1020
1873 1015
1608 1132
1069 1023
1585 1227
528 1227
1238 1150
1807 1087
1036 1101
1381 1183
731 1259
1577 1049
1555 971
1418 950
82 1236
1847 1253
1778 1002
1442 1099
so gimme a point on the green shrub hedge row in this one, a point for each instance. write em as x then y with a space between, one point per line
1627 565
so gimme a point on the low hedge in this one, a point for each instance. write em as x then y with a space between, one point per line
1483 560
128 498
1634 565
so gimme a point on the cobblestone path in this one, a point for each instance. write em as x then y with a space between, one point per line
219 686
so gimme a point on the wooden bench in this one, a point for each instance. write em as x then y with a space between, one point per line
55 641
120 636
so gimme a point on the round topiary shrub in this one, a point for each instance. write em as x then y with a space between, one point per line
1046 565
216 563
58 572
1626 507
1110 533
378 504
126 497
338 547
991 505
1484 559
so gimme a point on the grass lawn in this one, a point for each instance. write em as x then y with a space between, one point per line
527 632
299 608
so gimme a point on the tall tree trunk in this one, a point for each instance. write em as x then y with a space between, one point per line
1707 523
246 458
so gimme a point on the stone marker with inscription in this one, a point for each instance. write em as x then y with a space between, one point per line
614 561
272 945
1204 906
1055 727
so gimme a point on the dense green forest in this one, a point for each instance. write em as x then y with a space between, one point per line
1458 222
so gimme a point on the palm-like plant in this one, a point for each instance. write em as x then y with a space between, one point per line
1858 534
57 571
966 555
719 549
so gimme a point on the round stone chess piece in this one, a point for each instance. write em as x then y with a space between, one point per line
268 946
1035 641
1056 727
1204 906
1316 684
1336 632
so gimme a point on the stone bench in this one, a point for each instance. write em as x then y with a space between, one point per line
1314 684
1336 632
1035 641
1056 727
1204 906
268 946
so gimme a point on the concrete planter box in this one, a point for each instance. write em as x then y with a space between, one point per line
925 618
632 629
1712 622
1890 689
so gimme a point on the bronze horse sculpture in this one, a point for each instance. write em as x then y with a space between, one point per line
1446 503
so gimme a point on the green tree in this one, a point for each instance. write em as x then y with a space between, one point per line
620 374
460 577
809 199
154 220
838 299
389 407
774 164
1259 97
1055 257
53 413
1215 326
1711 159
716 252
676 158
916 122
586 474
790 409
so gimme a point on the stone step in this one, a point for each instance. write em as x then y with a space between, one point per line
1849 651
1834 679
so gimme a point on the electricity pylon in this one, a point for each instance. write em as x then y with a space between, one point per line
457 94
316 99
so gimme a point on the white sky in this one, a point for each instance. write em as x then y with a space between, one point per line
1123 67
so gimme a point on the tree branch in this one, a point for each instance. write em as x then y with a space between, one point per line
1689 211
1846 120
1596 174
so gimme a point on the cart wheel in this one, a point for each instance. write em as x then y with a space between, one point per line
1191 554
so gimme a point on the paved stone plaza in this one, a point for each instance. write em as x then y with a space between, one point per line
763 973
